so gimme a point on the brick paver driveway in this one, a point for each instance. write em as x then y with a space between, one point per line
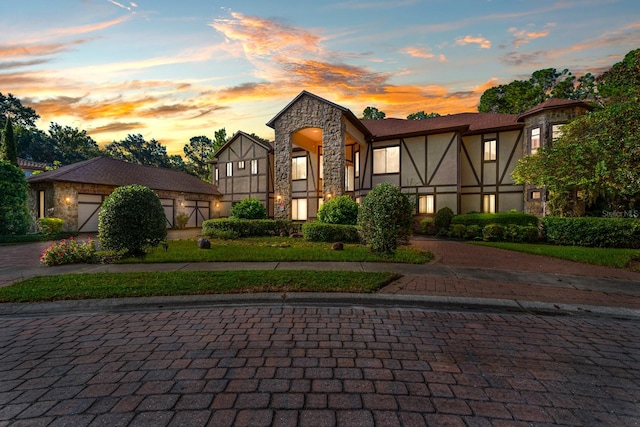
318 366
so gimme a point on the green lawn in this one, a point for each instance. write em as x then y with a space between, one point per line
143 284
619 258
273 249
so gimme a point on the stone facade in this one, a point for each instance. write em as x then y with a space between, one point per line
308 112
544 120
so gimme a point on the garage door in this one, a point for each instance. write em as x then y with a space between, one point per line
167 205
88 208
198 211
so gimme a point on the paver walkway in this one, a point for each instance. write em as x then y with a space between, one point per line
287 366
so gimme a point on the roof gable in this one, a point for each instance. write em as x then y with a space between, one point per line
239 134
554 103
112 172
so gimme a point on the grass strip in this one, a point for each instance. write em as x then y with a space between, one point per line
145 284
610 257
273 249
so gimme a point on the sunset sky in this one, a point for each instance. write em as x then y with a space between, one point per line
171 70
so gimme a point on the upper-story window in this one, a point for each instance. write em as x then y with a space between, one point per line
230 169
217 174
490 150
386 160
298 168
241 164
556 131
535 140
254 167
356 163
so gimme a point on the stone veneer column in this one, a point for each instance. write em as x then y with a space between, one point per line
309 112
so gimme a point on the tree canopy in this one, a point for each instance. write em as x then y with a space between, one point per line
421 115
8 150
198 152
20 115
522 95
372 113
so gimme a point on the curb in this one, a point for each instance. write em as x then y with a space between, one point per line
337 300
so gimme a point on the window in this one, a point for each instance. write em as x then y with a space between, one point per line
41 205
217 174
490 150
321 167
535 195
320 202
556 131
229 169
298 168
489 203
348 178
386 160
254 167
357 163
426 204
535 140
241 164
299 209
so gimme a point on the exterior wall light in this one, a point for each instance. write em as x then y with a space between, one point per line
67 200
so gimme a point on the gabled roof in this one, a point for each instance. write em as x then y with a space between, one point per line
237 135
347 113
553 103
466 123
112 172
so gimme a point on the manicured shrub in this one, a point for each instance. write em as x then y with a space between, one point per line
442 220
458 231
385 218
493 233
593 232
14 213
483 219
69 251
249 208
320 232
131 219
50 225
473 232
341 210
246 227
181 220
427 227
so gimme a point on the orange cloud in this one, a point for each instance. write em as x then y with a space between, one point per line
116 127
418 53
523 36
265 38
89 28
31 50
481 41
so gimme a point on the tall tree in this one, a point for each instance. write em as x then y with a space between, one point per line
198 153
622 80
219 139
8 151
10 106
35 144
72 144
421 115
135 149
372 113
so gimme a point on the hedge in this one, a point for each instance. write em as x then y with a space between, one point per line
246 227
50 225
321 232
593 232
484 219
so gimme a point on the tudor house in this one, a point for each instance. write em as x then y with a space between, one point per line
322 150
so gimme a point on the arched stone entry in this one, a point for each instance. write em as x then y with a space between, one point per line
313 124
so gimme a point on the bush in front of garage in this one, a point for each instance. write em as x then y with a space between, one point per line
233 227
132 219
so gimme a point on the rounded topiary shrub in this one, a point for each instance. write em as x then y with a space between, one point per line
385 218
442 220
131 219
14 212
249 208
341 210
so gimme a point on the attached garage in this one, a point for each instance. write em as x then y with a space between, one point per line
76 192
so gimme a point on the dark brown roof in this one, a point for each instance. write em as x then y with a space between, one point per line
553 103
112 172
466 123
